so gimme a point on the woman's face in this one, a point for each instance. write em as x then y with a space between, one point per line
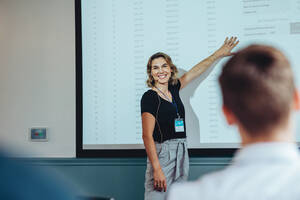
160 70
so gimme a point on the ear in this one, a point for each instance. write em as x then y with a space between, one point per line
230 118
296 100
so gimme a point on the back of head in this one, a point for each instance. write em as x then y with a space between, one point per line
258 87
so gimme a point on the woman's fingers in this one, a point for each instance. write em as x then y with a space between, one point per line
235 43
232 39
165 185
160 185
155 184
231 42
226 40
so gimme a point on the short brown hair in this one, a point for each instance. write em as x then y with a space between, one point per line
258 87
173 79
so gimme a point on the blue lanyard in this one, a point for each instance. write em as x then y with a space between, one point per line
173 102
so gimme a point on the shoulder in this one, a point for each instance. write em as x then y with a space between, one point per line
149 95
149 102
187 190
203 188
176 86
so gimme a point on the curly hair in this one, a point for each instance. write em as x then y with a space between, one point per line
173 79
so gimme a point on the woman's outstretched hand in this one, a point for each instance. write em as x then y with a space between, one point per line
225 49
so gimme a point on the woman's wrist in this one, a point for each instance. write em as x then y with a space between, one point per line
217 54
156 167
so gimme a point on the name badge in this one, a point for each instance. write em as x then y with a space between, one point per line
179 125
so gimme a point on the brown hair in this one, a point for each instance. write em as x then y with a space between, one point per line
258 87
173 79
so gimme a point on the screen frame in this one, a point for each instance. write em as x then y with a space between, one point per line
115 153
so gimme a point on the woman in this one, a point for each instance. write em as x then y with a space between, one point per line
164 131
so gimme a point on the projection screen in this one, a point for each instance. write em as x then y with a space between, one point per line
115 38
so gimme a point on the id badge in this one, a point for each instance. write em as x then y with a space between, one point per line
179 125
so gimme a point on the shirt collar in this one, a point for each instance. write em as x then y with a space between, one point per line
267 152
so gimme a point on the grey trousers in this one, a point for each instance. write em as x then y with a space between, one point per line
174 160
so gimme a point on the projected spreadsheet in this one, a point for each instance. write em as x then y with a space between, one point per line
118 37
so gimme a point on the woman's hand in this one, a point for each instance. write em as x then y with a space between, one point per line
225 49
159 180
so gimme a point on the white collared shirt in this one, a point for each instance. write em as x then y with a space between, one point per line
258 172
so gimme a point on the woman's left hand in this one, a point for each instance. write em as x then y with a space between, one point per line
225 49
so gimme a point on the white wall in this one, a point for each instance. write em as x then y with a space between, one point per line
37 75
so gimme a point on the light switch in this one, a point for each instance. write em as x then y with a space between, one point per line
38 134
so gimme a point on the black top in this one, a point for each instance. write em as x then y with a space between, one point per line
165 113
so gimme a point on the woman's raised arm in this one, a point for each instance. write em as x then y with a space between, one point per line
202 66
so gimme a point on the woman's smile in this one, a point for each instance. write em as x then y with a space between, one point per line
162 76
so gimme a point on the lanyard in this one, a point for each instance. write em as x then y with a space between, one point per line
173 102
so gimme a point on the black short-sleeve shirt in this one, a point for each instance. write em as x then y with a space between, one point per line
165 113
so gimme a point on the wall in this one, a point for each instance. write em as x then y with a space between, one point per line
119 178
37 77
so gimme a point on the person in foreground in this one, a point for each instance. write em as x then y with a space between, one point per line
22 181
259 97
163 120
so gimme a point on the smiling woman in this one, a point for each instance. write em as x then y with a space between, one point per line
163 120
